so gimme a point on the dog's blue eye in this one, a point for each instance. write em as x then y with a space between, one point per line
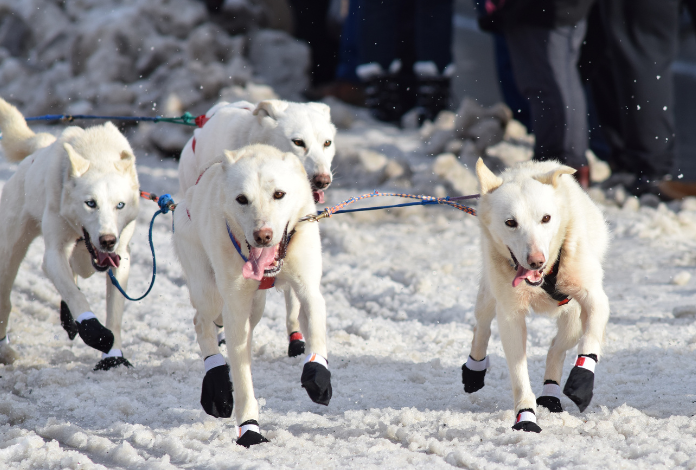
91 203
298 142
120 205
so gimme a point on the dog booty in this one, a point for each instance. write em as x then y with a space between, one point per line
297 344
93 333
473 373
580 382
67 321
112 359
526 421
551 397
248 434
316 379
216 393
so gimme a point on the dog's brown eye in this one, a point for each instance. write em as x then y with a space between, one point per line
298 142
327 143
242 200
278 195
545 219
511 223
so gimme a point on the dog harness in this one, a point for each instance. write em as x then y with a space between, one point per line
200 122
549 284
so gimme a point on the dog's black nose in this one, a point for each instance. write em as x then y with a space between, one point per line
263 236
321 180
107 242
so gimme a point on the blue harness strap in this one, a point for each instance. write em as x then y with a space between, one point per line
235 243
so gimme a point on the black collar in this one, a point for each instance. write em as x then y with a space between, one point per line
549 284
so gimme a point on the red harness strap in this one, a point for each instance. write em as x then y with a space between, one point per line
200 122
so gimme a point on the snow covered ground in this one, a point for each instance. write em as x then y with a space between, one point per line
400 289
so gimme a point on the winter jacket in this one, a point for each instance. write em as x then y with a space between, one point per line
502 14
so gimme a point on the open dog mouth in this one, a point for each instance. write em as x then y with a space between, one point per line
101 261
531 277
318 195
267 261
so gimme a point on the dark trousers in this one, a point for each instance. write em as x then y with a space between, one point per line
415 30
544 62
642 37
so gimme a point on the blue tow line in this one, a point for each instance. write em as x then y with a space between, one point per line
165 201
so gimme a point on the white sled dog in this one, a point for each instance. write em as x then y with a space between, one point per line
81 192
304 129
543 243
236 233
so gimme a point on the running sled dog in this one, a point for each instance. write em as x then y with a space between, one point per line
237 233
543 243
80 191
304 129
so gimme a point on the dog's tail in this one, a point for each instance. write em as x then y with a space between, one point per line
18 141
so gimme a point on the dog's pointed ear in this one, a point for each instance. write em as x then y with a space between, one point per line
487 179
78 165
127 162
233 155
270 108
552 176
321 108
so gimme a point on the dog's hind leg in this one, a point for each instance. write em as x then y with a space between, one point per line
474 370
15 237
569 331
292 322
513 335
594 316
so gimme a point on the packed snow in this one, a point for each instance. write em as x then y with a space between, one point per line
400 288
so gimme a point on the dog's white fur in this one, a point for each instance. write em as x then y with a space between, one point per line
273 122
213 268
47 196
526 193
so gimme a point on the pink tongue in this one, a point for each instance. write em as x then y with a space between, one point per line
522 274
259 260
108 259
318 196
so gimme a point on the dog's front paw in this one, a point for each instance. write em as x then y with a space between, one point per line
297 344
67 321
473 373
316 379
111 360
216 393
526 421
248 434
7 353
93 333
551 397
580 382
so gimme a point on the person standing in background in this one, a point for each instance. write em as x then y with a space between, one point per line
405 55
544 39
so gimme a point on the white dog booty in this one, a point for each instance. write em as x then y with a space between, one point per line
580 382
316 379
473 373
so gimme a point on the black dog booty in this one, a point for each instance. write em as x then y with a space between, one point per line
216 393
93 333
248 434
473 373
551 397
526 421
580 383
113 358
297 344
67 321
316 379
